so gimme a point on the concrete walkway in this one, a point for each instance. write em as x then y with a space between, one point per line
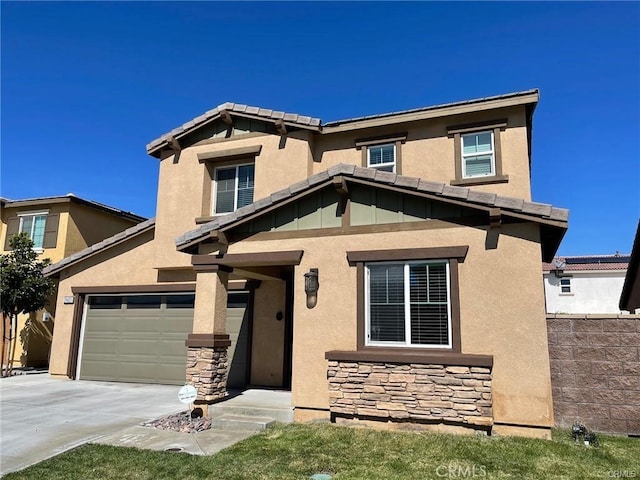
42 417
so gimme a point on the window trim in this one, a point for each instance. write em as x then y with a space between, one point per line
465 157
458 131
34 214
214 188
454 254
570 291
407 304
396 139
379 166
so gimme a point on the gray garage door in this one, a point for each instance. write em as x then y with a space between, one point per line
137 338
141 338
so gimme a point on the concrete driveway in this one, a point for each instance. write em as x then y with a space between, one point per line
41 417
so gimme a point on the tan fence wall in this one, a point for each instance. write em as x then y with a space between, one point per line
595 371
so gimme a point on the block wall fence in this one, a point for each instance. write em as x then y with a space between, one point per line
595 371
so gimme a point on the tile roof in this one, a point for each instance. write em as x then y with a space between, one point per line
306 121
100 246
245 110
588 262
70 197
508 204
434 107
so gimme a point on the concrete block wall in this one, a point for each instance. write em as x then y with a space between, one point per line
595 371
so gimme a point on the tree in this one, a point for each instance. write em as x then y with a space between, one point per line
23 289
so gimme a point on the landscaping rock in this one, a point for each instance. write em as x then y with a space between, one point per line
180 422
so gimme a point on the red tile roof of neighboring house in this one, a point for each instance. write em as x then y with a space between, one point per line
587 262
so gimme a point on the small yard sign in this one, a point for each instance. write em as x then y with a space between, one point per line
187 394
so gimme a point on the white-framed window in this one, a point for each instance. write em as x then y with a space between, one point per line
565 285
408 304
478 154
33 224
233 188
382 157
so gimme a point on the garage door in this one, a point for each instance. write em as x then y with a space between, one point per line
137 338
141 338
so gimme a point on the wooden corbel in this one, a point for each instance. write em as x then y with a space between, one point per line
340 184
226 118
495 218
281 128
175 145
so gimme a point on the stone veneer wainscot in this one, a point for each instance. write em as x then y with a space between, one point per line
207 371
417 392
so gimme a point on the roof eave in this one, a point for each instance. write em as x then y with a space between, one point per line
530 97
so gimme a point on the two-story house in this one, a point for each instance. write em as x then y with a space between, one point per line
383 268
58 226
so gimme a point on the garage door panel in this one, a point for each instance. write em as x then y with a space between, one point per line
148 344
137 344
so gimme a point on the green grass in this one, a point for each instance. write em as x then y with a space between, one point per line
297 451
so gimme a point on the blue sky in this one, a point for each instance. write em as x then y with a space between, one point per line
86 85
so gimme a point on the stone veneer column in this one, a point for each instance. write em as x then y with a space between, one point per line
207 362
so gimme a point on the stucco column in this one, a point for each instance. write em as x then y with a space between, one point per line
210 313
207 362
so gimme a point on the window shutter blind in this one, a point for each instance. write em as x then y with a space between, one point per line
246 175
429 311
478 165
51 231
386 300
13 224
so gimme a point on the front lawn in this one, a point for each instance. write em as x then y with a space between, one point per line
297 451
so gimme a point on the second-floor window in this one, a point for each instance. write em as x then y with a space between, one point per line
34 226
478 158
382 157
233 188
565 285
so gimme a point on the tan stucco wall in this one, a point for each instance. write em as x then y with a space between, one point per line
429 153
267 347
87 226
127 264
181 184
502 311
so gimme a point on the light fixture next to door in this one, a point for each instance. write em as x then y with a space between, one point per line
311 285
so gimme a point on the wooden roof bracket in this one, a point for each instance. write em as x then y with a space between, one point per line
226 117
495 218
340 184
281 128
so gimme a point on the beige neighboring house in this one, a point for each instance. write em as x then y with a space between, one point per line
384 269
58 226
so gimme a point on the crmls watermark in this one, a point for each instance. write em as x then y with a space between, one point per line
623 474
461 471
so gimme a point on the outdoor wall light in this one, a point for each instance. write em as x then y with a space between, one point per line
311 285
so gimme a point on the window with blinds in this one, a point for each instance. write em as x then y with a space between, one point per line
408 304
233 188
478 159
382 157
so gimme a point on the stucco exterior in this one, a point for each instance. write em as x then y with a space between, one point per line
498 292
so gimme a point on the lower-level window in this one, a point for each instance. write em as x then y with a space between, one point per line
565 285
408 304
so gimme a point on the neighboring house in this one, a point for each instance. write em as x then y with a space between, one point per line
58 227
382 268
630 295
584 284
